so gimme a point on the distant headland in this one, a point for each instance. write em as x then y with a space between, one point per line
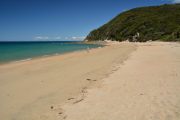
142 24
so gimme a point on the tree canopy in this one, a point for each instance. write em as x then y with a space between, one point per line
142 24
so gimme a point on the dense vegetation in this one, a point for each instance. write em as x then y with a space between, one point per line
142 24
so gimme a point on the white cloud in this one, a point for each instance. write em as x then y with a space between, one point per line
66 38
41 38
78 38
176 1
57 38
47 38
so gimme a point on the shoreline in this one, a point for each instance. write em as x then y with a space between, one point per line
112 79
51 55
30 88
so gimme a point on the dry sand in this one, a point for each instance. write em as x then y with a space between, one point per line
146 87
35 89
95 86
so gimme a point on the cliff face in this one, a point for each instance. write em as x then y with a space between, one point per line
142 24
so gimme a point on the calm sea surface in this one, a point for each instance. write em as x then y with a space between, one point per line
16 51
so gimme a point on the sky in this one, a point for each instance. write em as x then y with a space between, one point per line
35 20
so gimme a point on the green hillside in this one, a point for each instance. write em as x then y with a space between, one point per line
142 24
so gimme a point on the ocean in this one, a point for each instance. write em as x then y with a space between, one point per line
19 51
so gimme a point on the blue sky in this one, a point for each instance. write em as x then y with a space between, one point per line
24 20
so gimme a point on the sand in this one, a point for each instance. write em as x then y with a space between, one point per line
35 89
145 87
123 81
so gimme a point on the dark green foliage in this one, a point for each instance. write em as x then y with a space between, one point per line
151 23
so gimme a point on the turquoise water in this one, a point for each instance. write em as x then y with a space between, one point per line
15 51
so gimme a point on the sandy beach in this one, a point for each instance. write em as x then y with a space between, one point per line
145 87
122 81
29 90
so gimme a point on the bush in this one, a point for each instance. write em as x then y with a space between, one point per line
153 23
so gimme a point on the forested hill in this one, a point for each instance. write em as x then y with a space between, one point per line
142 24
